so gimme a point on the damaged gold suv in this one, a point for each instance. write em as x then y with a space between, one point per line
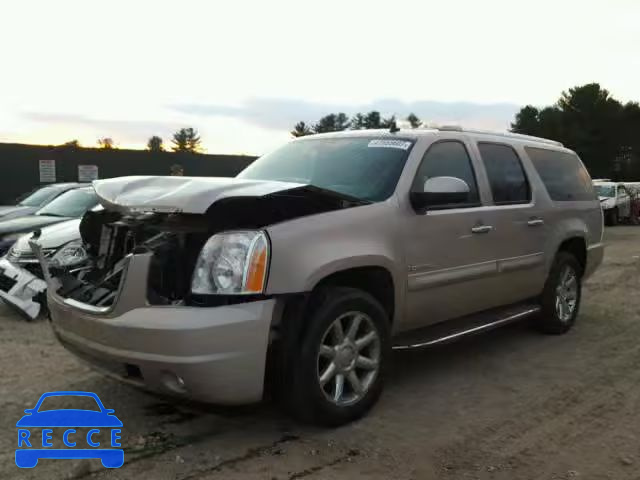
320 258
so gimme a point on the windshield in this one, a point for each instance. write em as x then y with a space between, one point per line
71 204
364 168
40 197
605 190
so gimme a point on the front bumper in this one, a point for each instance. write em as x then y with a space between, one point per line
212 354
19 287
215 355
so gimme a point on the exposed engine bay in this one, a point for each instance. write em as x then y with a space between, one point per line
175 240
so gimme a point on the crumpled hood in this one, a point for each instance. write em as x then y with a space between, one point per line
179 194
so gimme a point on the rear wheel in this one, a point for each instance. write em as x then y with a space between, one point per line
339 367
561 296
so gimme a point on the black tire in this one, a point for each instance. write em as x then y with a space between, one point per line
549 320
306 400
612 217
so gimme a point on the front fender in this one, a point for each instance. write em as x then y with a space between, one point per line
346 263
306 250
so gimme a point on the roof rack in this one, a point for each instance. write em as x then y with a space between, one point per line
458 128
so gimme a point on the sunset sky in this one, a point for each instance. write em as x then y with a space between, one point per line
243 73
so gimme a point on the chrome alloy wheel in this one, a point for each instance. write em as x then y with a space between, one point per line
566 293
348 358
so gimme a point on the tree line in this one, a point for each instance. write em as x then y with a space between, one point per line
602 130
184 140
587 119
336 122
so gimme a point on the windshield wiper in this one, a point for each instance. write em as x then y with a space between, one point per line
51 215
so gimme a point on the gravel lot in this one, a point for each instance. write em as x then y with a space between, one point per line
512 404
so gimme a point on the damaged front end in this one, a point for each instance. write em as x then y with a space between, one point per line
22 285
132 305
167 243
21 288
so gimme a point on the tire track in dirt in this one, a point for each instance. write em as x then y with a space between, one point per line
249 455
570 407
567 416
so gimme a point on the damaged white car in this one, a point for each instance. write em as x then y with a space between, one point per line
22 284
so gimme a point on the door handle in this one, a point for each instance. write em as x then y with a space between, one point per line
482 229
535 222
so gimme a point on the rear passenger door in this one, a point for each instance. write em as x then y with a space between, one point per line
518 221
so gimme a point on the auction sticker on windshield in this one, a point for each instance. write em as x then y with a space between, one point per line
69 432
389 143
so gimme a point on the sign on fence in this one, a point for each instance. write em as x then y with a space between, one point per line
47 171
87 173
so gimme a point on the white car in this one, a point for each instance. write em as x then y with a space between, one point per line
22 284
615 201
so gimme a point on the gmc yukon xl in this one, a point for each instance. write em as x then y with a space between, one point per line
308 268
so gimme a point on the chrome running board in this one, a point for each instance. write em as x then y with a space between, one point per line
453 330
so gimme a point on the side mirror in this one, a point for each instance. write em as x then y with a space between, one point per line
440 191
29 410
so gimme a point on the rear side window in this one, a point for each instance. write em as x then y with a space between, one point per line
448 159
508 181
562 174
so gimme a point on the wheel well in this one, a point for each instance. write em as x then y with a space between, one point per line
376 281
577 247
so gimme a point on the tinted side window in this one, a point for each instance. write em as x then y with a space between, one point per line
506 176
562 174
448 159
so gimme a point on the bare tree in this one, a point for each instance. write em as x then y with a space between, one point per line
155 144
414 121
71 144
106 143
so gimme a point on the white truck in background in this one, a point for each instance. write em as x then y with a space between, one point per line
615 201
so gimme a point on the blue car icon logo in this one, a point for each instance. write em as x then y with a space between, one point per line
36 432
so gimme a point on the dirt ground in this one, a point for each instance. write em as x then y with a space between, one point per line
511 404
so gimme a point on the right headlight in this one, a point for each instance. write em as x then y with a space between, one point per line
232 263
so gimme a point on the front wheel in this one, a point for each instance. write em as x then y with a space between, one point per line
611 217
560 300
339 368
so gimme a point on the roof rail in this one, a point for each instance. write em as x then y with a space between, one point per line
458 128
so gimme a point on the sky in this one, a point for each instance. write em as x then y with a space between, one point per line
244 72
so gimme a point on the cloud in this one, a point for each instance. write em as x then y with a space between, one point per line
134 131
282 114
